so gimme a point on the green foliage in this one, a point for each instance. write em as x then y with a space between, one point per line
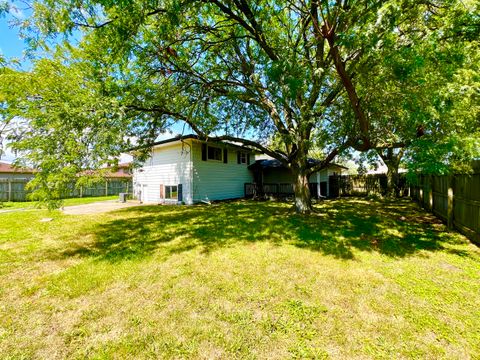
320 75
66 127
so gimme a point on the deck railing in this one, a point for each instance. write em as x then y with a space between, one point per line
276 190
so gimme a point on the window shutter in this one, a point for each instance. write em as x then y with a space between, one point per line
204 152
162 191
248 159
238 157
180 193
225 156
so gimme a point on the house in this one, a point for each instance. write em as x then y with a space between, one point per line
12 182
9 172
122 171
185 169
189 170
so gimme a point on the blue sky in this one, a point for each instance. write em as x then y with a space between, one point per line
11 45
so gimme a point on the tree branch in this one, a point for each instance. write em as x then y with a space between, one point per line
203 136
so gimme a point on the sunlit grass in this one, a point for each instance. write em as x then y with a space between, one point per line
11 205
238 280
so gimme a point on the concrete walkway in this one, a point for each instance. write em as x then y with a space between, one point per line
16 210
98 207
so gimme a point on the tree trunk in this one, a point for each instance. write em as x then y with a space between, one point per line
303 201
392 161
393 185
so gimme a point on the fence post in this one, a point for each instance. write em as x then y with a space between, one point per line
128 183
81 191
420 190
450 212
106 187
430 193
9 190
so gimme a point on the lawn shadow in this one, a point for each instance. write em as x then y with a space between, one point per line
340 227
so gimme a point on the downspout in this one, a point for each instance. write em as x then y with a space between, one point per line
191 172
184 142
319 195
191 169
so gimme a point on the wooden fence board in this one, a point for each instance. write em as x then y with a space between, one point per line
359 185
465 195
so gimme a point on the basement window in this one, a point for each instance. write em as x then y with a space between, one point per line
171 192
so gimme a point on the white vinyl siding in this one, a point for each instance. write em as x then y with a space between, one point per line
173 164
214 180
169 165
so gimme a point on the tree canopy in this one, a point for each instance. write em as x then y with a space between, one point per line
334 75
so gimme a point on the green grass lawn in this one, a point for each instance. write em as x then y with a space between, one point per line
10 205
359 279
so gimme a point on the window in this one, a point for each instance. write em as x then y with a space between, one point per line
171 192
214 153
243 158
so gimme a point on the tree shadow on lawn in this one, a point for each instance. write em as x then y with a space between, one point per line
395 228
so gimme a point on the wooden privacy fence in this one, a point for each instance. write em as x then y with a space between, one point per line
360 185
455 199
15 189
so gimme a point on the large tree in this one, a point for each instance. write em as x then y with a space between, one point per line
237 70
424 95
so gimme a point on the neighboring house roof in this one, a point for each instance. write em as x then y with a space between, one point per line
124 165
122 172
276 164
118 174
10 169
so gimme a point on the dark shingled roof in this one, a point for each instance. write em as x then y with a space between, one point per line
276 164
196 137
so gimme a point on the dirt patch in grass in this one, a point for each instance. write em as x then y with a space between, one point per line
98 207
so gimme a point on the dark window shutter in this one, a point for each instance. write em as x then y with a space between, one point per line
180 193
238 157
162 191
225 156
248 159
204 152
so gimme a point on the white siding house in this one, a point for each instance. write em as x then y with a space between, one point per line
188 170
191 171
217 179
